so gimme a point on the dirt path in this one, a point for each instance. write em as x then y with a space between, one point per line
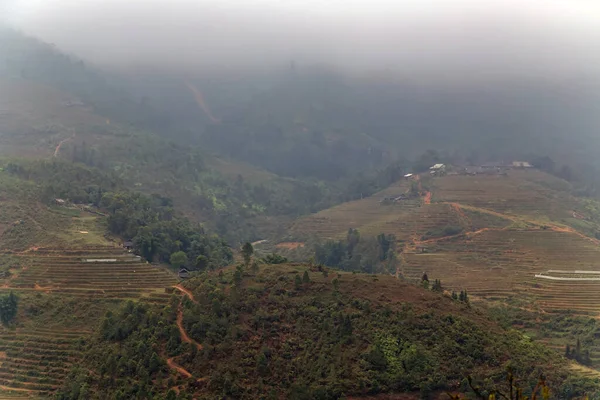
534 224
186 292
184 336
61 143
173 365
427 198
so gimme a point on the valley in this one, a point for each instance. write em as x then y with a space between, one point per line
297 244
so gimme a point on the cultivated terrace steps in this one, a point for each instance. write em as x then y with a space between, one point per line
96 272
35 360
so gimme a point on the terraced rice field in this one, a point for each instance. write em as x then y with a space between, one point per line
67 272
503 263
369 215
38 360
529 193
407 219
35 357
514 227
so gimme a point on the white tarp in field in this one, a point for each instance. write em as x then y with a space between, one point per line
572 278
100 260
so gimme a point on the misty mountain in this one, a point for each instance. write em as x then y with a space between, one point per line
31 59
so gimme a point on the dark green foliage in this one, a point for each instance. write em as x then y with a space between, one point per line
157 232
247 251
8 307
437 286
385 242
202 262
577 354
360 254
125 356
323 343
178 259
297 282
305 278
274 259
315 343
60 179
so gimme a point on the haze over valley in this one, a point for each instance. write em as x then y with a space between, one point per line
300 200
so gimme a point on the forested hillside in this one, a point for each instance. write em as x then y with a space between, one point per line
305 332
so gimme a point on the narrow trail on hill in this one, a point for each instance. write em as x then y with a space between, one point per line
186 292
184 336
57 149
173 365
458 207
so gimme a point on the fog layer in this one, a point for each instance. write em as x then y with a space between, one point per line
460 38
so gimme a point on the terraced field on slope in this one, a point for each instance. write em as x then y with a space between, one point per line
98 272
63 294
511 227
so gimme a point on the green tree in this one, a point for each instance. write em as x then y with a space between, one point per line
247 251
8 307
305 277
178 259
202 262
238 275
297 282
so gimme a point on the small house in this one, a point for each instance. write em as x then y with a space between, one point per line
184 273
521 164
408 176
437 169
128 245
60 202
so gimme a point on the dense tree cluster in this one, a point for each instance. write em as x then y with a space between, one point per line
360 254
8 307
578 354
159 234
127 356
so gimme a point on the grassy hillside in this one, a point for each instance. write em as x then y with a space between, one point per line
292 331
523 240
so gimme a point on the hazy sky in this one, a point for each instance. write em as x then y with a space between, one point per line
472 38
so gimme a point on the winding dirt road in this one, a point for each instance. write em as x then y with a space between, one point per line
184 336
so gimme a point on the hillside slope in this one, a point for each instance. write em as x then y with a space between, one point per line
521 240
41 122
246 334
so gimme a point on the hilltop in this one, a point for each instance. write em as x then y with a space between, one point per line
298 331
